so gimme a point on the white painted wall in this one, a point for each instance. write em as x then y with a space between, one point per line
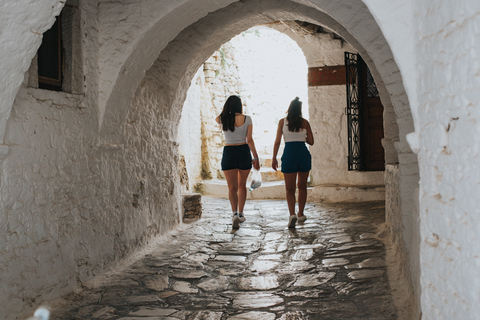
71 206
22 35
190 130
447 140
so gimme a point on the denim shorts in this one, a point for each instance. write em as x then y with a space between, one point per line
296 158
236 157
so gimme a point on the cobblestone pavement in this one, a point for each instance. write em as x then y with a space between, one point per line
330 267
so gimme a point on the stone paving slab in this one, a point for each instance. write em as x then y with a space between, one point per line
330 267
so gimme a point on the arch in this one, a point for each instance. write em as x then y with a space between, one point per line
348 18
179 60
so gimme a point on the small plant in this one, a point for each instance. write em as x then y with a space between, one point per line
223 61
256 32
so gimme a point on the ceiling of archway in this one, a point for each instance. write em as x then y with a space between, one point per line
186 50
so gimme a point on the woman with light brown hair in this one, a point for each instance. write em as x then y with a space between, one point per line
296 159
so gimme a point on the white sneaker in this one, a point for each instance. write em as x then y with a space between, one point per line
302 218
241 216
235 221
291 221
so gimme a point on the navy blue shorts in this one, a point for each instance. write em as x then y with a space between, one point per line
236 157
296 158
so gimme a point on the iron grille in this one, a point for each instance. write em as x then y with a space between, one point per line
372 91
354 112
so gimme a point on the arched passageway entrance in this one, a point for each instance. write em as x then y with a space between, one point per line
256 66
136 80
180 59
267 70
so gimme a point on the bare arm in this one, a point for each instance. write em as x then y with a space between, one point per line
251 144
310 139
276 145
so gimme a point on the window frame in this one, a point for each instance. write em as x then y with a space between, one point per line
46 82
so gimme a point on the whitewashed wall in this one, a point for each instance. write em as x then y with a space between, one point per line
447 141
190 131
72 206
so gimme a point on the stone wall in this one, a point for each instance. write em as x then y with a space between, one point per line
48 189
398 254
200 137
71 205
74 206
447 142
190 133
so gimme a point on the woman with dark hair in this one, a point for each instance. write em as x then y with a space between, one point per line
237 160
296 159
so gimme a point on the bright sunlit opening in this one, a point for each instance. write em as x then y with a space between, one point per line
273 71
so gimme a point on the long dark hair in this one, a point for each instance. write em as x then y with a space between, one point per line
227 117
294 115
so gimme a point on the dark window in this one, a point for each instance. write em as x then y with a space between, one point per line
50 59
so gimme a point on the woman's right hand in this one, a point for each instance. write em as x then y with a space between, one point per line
256 164
274 164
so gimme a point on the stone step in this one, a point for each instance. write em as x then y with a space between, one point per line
268 174
334 193
266 160
268 190
276 190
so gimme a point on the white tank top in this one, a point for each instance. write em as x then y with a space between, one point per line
290 136
240 133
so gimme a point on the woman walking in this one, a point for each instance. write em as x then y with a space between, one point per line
296 159
237 159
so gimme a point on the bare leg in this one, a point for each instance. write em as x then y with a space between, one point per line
232 177
302 191
290 186
242 188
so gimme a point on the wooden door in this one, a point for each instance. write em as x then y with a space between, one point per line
365 117
372 121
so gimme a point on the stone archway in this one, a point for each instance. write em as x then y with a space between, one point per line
179 60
